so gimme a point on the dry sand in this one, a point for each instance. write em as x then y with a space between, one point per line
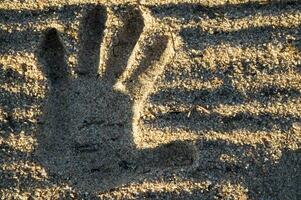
150 99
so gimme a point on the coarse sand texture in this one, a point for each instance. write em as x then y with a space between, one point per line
150 99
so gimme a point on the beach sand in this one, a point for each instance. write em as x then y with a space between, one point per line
150 99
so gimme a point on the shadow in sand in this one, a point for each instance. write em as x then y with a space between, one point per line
195 11
26 39
86 135
10 101
225 94
264 177
86 131
252 168
203 123
12 125
255 170
21 40
87 138
201 116
67 12
256 36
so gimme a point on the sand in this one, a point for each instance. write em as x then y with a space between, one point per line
150 99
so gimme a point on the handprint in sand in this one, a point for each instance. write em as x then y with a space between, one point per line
90 122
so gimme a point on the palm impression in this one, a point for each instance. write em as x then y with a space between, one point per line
88 131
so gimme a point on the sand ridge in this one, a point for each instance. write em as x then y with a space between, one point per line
167 100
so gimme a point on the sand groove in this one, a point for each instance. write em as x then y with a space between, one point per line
99 98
